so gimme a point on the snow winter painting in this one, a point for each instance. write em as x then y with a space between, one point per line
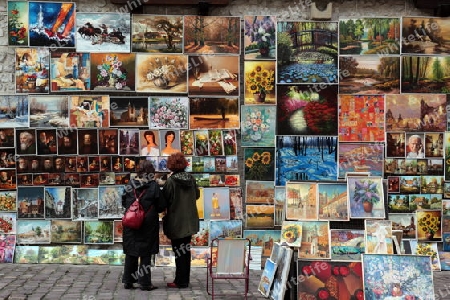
305 158
49 111
14 111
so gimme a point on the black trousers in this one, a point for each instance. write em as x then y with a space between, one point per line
136 270
182 249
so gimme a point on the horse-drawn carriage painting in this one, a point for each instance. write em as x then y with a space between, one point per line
103 32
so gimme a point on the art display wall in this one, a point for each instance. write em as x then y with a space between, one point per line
292 129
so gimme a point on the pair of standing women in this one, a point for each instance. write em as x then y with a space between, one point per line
178 197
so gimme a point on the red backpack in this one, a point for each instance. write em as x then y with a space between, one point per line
135 214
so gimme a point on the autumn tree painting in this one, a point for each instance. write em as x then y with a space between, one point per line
425 74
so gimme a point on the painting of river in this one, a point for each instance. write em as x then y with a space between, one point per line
14 111
49 111
425 35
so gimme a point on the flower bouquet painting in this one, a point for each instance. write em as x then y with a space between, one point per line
187 142
17 23
260 82
215 142
366 197
230 142
260 37
257 125
259 164
161 73
169 113
291 233
112 71
429 225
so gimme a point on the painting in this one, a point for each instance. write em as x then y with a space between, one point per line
33 232
201 144
361 118
165 257
446 216
281 275
84 204
259 192
424 74
429 225
217 203
26 254
8 201
199 257
208 113
260 37
8 179
280 202
110 202
57 202
49 111
103 32
378 237
8 242
128 142
267 277
157 33
432 184
30 202
212 35
291 233
32 70
97 256
429 249
332 201
225 229
298 62
236 204
112 72
66 231
444 258
315 240
232 180
211 75
264 239
259 163
347 244
301 201
424 35
187 142
89 111
157 73
416 112
399 275
118 231
128 111
201 238
15 111
406 222
366 197
7 137
260 215
339 280
169 113
360 158
260 82
70 71
8 223
258 126
18 23
305 158
98 232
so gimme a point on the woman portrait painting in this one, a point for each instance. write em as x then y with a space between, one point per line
148 143
171 140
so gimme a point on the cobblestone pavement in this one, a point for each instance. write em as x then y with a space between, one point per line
81 282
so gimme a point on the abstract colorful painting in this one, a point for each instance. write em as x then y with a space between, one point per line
32 70
89 111
8 242
70 72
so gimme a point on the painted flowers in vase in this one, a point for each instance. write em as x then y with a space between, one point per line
162 71
261 32
260 81
111 73
187 142
169 113
255 125
366 192
215 142
290 233
229 142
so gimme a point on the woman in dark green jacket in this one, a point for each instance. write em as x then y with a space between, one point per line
181 220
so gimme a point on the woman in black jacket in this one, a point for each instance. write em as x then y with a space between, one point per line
143 242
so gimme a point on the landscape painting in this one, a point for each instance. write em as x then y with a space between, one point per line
370 75
425 35
110 202
33 232
205 113
17 23
260 216
49 111
425 74
66 231
222 229
26 255
406 222
307 52
305 158
14 111
30 202
99 232
84 204
361 157
260 37
157 33
212 35
347 244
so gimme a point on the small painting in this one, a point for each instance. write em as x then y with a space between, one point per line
8 222
15 111
360 158
333 202
8 179
30 202
201 238
157 33
260 37
18 23
26 255
406 222
259 192
46 145
84 204
263 238
236 204
259 82
118 231
187 142
267 277
347 244
432 184
70 72
89 111
199 257
217 203
280 203
201 143
98 232
32 70
212 35
103 32
395 144
8 201
97 256
444 258
301 201
259 163
26 141
260 216
429 249
8 242
128 142
112 72
169 113
366 197
429 225
424 35
128 111
225 229
161 73
315 242
207 113
49 111
7 137
258 125
291 233
33 232
378 237
57 202
149 140
110 202
66 231
165 257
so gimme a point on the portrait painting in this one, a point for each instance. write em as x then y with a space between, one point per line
67 141
70 71
169 142
7 137
87 144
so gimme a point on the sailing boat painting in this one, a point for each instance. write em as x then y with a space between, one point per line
361 157
52 24
14 111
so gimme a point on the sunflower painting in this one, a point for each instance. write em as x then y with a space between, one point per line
259 164
291 233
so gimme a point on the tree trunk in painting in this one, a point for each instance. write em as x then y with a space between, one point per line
410 71
416 81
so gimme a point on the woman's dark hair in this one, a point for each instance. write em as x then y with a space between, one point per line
148 132
145 167
177 162
170 132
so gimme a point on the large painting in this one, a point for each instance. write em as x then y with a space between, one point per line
424 74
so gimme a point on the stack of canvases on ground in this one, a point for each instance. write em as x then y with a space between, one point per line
318 142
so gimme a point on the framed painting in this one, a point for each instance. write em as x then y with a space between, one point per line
430 249
84 204
15 111
70 71
378 237
260 216
165 257
31 75
149 142
301 201
263 238
431 185
298 110
402 109
73 254
259 192
414 77
169 113
7 137
26 254
199 257
30 202
424 35
201 143
446 241
259 82
231 160
128 142
370 75
50 255
361 118
297 63
412 275
89 111
18 23
110 202
33 232
411 185
202 35
87 145
315 240
66 231
434 144
429 225
8 179
232 180
201 238
112 72
257 125
267 277
236 204
128 111
225 229
215 142
187 142
216 76
103 32
169 142
322 277
57 202
259 163
157 33
395 144
157 73
360 158
98 232
406 222
217 203
291 233
347 244
296 154
208 113
49 111
260 37
8 201
8 223
368 204
8 243
333 202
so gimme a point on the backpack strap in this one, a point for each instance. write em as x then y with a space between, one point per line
139 199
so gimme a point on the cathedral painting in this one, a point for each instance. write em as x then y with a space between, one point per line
129 111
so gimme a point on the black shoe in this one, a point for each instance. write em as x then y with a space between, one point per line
128 286
148 287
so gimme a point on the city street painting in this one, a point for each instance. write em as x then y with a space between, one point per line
301 201
333 203
315 240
